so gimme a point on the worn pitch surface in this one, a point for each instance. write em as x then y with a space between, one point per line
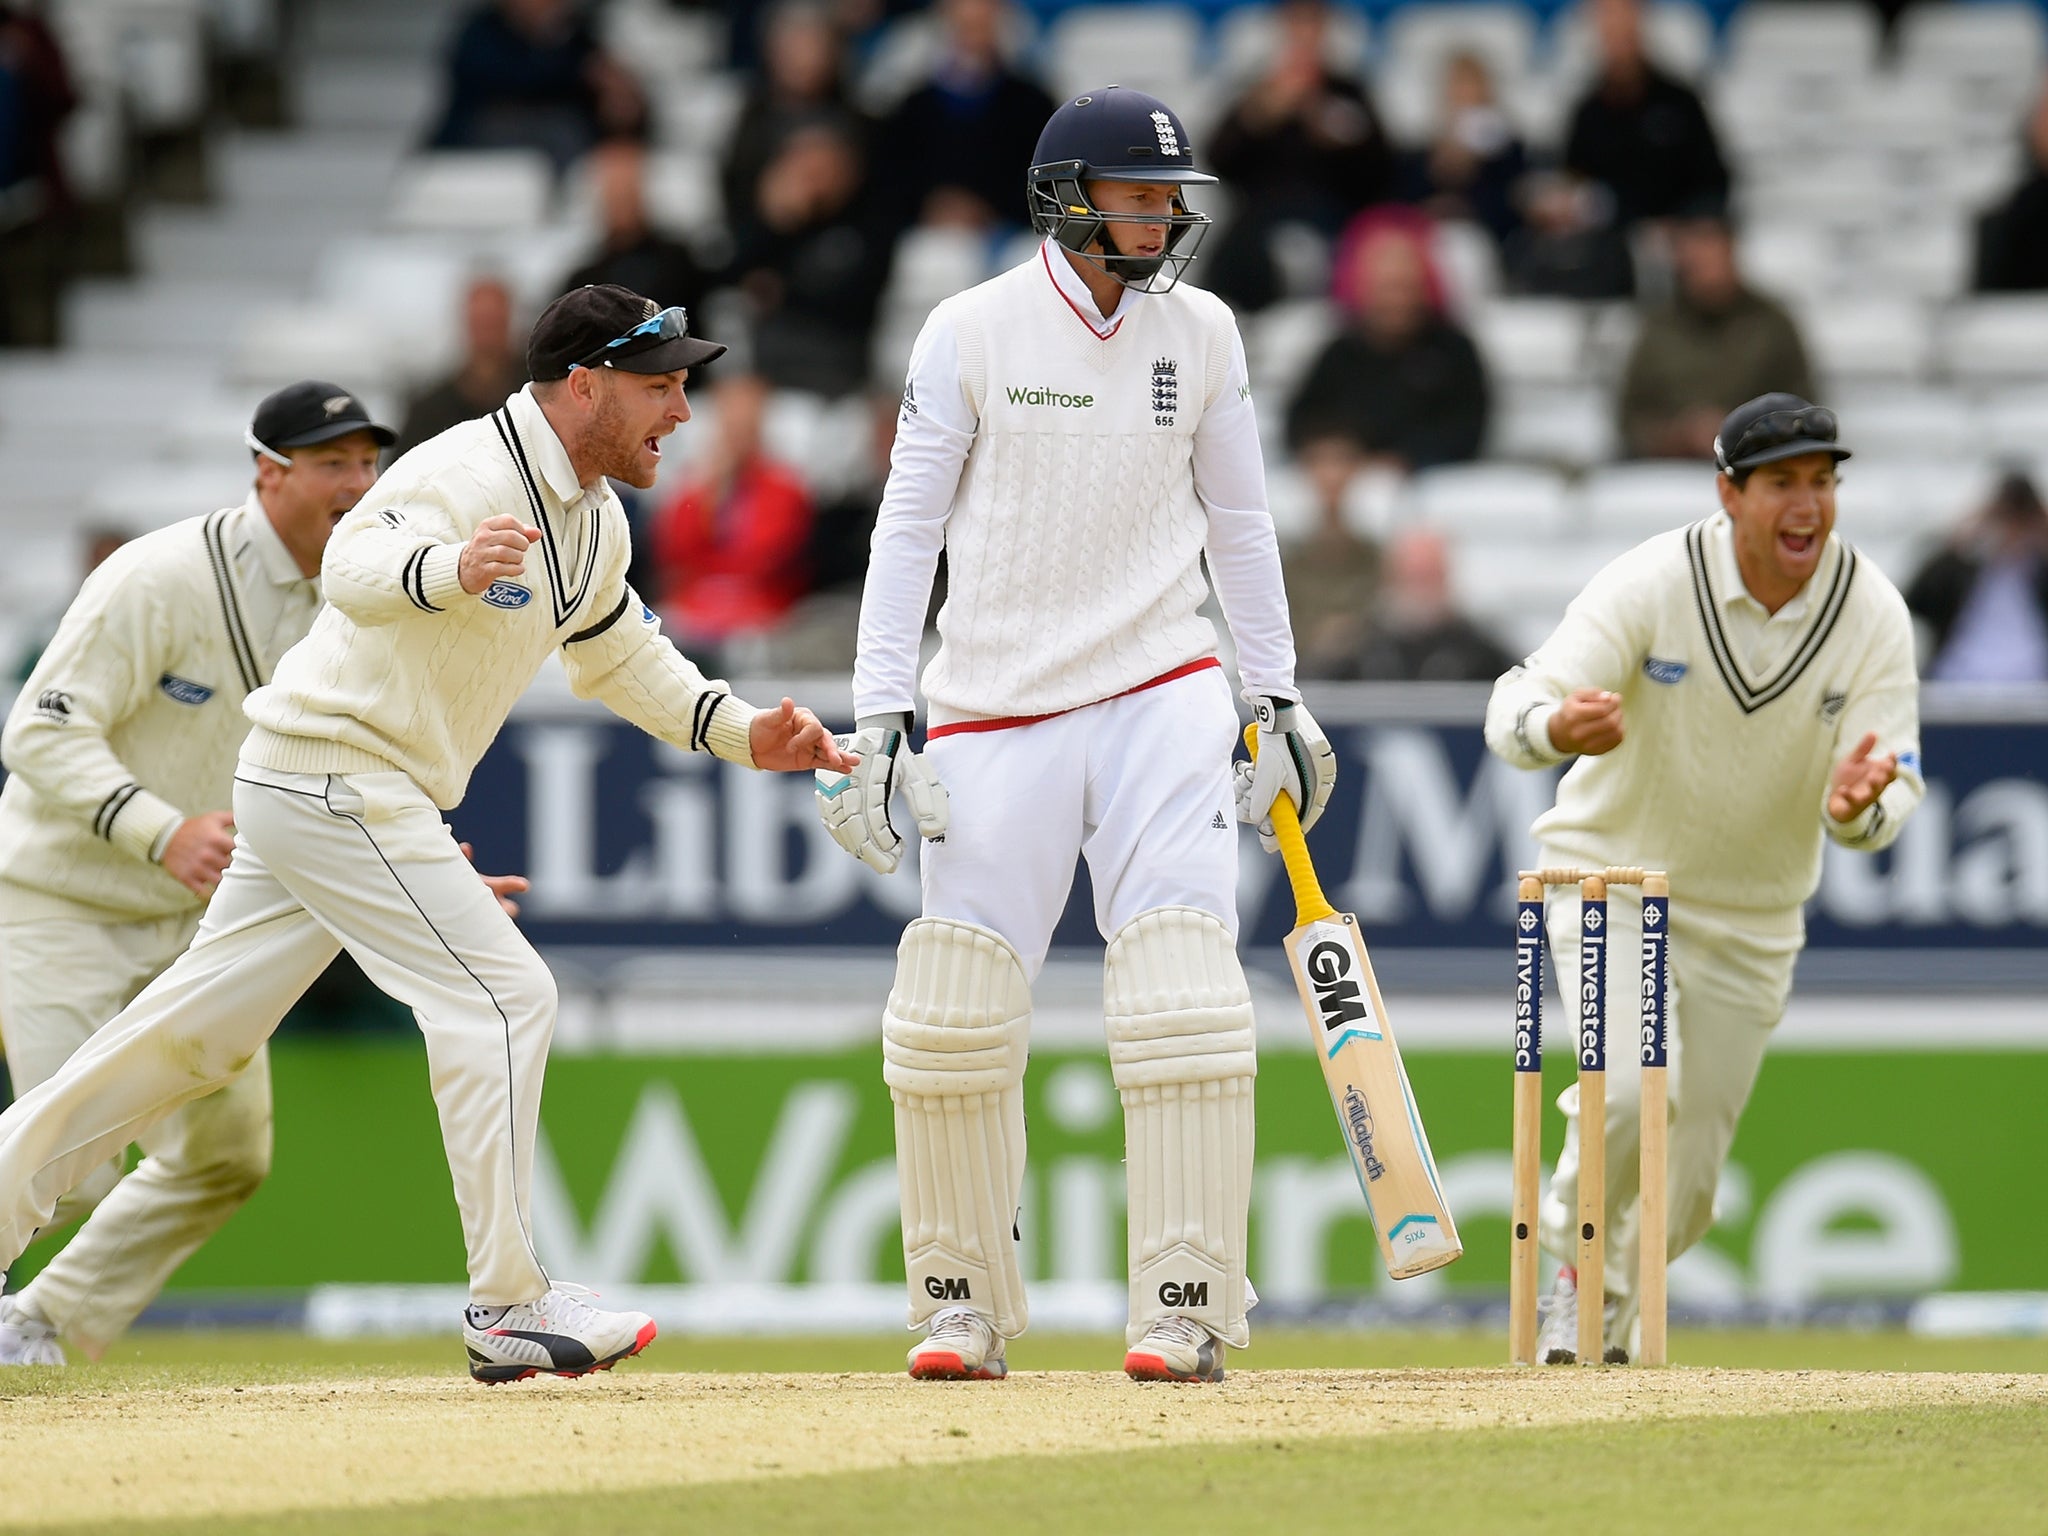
91 1458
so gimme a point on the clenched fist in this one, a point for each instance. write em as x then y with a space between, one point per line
495 551
1587 723
199 850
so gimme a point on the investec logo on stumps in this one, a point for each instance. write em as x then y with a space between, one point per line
1053 397
1528 986
1331 966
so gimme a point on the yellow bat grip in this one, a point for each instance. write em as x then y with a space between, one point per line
1309 901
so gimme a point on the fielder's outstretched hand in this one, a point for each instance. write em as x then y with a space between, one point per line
1859 779
787 739
504 887
1587 723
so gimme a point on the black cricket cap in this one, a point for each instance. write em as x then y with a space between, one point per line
1773 427
312 411
576 328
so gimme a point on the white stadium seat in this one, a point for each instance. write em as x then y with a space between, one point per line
1509 500
1282 342
1419 40
1531 341
1990 47
1152 48
1570 425
1996 338
1801 38
1638 499
1922 419
474 190
2013 423
1852 338
279 343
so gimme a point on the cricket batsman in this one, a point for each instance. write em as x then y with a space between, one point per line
1734 692
115 827
473 559
1076 435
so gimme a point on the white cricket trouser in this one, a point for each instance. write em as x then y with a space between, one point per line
1731 973
322 862
61 979
1139 786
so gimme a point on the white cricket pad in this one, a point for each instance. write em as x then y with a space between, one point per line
953 1046
1180 1048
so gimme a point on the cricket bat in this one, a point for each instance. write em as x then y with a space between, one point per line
1368 1086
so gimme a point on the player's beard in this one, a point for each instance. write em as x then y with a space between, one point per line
617 443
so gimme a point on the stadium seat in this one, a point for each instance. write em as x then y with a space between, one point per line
1929 258
700 118
1531 341
2013 423
1934 420
279 343
1990 47
472 190
683 195
1635 500
1571 426
1469 260
1999 338
1248 36
1853 339
1788 258
1419 40
935 264
1508 500
1785 39
1152 48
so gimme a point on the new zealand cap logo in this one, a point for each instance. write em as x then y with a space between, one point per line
334 405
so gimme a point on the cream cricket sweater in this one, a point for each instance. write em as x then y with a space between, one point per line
1733 721
133 717
1076 471
404 669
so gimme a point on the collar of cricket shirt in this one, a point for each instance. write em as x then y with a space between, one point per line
1079 299
256 547
550 458
1731 591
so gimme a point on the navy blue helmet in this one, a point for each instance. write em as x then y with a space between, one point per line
1115 134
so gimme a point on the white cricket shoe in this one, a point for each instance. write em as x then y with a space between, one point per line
561 1334
1557 1338
1176 1349
962 1346
26 1339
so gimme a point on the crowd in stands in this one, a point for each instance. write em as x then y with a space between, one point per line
824 181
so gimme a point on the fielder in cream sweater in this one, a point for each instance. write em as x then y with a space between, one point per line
474 558
115 828
1735 692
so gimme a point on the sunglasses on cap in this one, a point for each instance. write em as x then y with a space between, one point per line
672 324
1815 423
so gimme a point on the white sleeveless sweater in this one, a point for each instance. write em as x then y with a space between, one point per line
1074 546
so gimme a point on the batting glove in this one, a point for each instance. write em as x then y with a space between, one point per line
1295 759
855 806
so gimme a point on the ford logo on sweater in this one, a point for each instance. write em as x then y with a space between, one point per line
507 594
1662 671
183 690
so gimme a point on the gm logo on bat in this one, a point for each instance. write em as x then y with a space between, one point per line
507 594
1328 966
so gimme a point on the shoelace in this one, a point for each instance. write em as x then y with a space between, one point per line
954 1323
564 1305
1180 1330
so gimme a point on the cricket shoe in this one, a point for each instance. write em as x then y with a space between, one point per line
1557 1338
962 1346
561 1334
1175 1349
26 1339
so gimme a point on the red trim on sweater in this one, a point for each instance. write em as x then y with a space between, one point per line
1100 335
1010 722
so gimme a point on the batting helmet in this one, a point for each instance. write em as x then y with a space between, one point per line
1115 134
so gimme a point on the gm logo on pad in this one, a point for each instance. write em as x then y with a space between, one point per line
506 594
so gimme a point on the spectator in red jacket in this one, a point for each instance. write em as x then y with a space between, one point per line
731 547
